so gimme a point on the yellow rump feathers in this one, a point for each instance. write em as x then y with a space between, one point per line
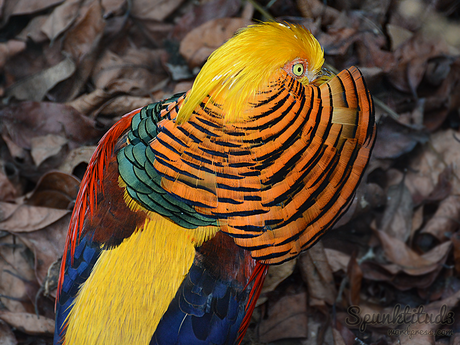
236 71
159 249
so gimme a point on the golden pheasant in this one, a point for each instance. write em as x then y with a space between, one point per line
186 201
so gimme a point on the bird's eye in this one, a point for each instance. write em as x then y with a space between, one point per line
297 69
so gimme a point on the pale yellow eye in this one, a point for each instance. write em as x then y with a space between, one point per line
297 69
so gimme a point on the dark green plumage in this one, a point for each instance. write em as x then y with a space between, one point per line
143 182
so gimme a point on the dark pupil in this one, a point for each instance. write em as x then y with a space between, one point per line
298 69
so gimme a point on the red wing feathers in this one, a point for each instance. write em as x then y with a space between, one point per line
86 202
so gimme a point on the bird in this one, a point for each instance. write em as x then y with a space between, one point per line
186 202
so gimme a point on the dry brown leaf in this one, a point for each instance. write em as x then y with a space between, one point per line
125 104
417 221
372 52
315 8
137 72
61 18
398 278
444 186
317 274
82 43
438 69
207 11
183 86
15 150
7 190
178 72
426 166
316 328
46 146
37 86
412 57
90 102
446 219
441 91
337 41
75 157
337 260
397 218
22 7
31 218
372 75
415 71
398 35
276 274
456 245
50 283
405 259
287 318
347 336
32 61
108 68
33 30
17 277
112 6
154 9
368 196
355 277
84 35
338 340
27 120
6 335
344 31
10 49
395 139
47 245
7 209
202 41
454 339
28 323
55 189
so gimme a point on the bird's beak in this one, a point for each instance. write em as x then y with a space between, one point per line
323 76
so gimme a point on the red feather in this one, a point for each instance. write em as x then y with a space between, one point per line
89 188
258 277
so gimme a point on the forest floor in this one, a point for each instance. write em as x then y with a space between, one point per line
388 273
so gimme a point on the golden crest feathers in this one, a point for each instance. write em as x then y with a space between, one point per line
239 68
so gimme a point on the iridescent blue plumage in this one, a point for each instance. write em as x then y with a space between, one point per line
76 273
205 310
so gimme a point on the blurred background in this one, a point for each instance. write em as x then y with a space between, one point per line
70 68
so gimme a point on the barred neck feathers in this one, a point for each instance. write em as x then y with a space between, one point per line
236 71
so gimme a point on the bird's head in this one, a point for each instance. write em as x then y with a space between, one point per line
248 61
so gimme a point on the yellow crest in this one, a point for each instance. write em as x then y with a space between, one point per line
236 71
